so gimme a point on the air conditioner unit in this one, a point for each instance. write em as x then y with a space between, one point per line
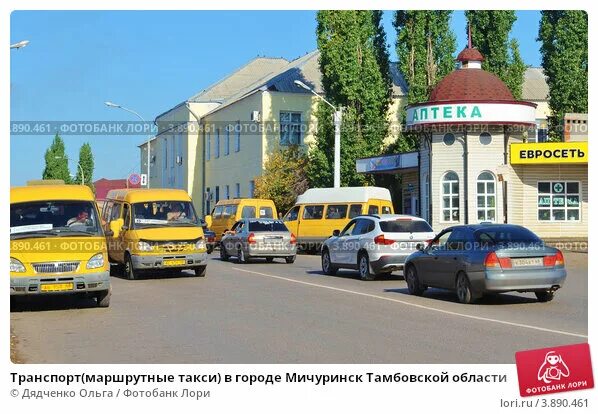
256 116
179 160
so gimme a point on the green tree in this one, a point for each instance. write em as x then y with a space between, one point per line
490 31
284 177
425 46
87 165
57 167
564 47
355 76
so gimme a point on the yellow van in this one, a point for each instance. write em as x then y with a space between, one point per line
57 244
228 212
320 211
151 229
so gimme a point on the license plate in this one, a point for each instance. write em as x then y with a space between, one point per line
174 262
56 287
527 261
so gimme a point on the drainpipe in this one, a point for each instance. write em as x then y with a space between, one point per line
203 162
429 139
465 176
504 183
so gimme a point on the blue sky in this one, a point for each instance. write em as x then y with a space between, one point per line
150 61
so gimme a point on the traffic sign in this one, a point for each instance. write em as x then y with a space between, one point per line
143 180
134 179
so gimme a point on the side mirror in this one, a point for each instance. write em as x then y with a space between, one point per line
208 220
116 226
336 233
420 247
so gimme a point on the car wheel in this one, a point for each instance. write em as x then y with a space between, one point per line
223 254
327 266
241 258
545 296
290 259
464 293
103 298
200 271
364 268
413 284
269 259
130 271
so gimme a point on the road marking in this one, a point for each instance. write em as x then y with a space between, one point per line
446 312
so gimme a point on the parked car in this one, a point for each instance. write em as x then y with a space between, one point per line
483 259
251 238
374 244
227 212
209 236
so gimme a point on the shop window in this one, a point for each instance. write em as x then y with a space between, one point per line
448 139
559 201
485 138
450 197
486 204
290 128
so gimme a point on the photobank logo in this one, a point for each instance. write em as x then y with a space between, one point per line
550 370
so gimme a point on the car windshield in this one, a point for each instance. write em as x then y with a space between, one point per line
267 225
505 235
164 214
405 226
53 218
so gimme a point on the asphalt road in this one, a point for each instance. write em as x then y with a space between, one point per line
279 313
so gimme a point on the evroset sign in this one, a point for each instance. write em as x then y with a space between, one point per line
550 153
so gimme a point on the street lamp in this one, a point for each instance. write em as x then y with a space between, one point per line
337 133
78 164
20 44
149 138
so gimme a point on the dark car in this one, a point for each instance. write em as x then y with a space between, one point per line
209 235
483 259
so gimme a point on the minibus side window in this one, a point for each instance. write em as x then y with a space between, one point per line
336 211
217 212
107 210
313 212
373 210
229 211
248 212
386 210
127 215
266 212
293 214
115 214
355 210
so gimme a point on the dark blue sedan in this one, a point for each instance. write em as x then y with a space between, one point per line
480 259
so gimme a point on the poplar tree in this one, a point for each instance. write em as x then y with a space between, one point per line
355 76
57 167
87 164
425 45
564 47
490 31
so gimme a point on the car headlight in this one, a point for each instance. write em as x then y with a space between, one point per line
16 266
97 260
200 244
144 246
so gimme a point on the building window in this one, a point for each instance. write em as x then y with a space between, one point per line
290 128
486 186
251 188
485 138
541 130
217 144
448 139
208 145
237 190
559 201
227 192
450 197
238 137
227 141
217 193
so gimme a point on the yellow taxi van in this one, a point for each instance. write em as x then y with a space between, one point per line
57 244
227 212
153 229
320 211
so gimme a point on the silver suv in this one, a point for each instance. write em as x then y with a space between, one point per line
375 244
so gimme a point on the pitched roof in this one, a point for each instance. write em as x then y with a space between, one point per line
535 87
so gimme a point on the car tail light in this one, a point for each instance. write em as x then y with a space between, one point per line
251 238
492 261
554 260
381 240
293 239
